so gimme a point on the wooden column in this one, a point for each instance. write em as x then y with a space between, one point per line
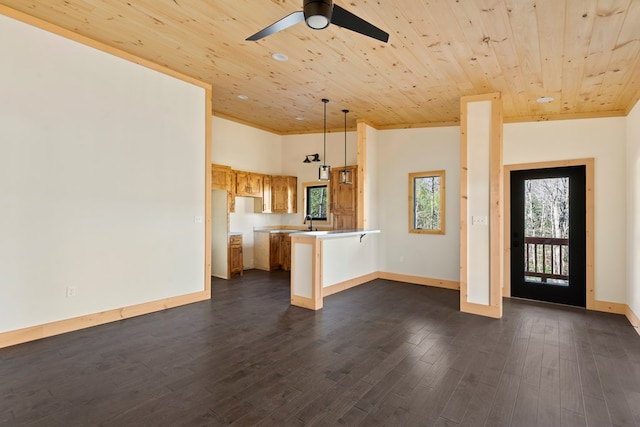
481 217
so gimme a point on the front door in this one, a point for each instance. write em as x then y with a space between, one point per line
548 235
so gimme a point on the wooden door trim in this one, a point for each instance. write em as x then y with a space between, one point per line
588 163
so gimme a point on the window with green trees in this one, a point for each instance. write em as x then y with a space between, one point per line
426 202
316 201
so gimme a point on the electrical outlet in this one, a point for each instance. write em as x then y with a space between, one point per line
71 291
401 259
479 220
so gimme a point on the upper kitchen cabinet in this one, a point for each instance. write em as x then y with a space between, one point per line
248 184
220 177
284 194
263 205
344 199
224 178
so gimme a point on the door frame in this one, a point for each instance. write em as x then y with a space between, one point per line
588 163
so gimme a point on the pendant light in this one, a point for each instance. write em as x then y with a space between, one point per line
324 172
345 174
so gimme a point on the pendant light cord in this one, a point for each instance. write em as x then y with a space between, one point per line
324 155
345 140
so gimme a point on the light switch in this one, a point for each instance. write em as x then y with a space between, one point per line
198 219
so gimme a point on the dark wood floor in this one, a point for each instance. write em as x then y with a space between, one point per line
384 353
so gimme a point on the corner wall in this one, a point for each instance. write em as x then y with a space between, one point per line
633 214
249 149
103 177
401 152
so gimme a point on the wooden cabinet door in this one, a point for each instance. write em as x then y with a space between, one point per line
248 184
275 251
344 200
292 196
231 185
255 185
344 197
344 221
286 252
219 176
236 264
279 194
266 194
242 183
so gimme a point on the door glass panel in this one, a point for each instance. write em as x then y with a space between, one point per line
546 231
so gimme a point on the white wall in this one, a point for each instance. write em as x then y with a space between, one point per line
102 165
633 209
348 257
294 149
605 140
401 152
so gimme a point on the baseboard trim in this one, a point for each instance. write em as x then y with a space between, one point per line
419 280
20 336
348 284
607 307
633 318
494 311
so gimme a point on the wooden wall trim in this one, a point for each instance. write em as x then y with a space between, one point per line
208 141
634 319
361 220
348 284
32 333
420 280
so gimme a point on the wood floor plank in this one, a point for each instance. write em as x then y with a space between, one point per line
504 401
525 411
479 406
549 398
383 353
571 397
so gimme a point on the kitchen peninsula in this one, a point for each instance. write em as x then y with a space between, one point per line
326 262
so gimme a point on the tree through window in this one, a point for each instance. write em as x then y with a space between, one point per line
317 201
426 202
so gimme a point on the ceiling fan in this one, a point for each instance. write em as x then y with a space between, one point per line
318 14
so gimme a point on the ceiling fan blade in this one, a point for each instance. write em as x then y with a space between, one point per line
345 19
284 23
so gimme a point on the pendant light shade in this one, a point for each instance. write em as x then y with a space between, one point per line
345 174
324 173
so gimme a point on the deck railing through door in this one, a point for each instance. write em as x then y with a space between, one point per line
546 260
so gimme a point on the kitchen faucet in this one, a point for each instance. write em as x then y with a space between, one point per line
308 217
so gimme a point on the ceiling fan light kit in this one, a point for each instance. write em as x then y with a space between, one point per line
318 14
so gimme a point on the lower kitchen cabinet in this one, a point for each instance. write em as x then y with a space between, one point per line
236 264
272 251
286 252
275 251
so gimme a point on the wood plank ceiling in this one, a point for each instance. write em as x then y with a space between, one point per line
583 53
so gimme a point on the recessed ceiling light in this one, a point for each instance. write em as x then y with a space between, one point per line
280 57
545 99
243 97
299 118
